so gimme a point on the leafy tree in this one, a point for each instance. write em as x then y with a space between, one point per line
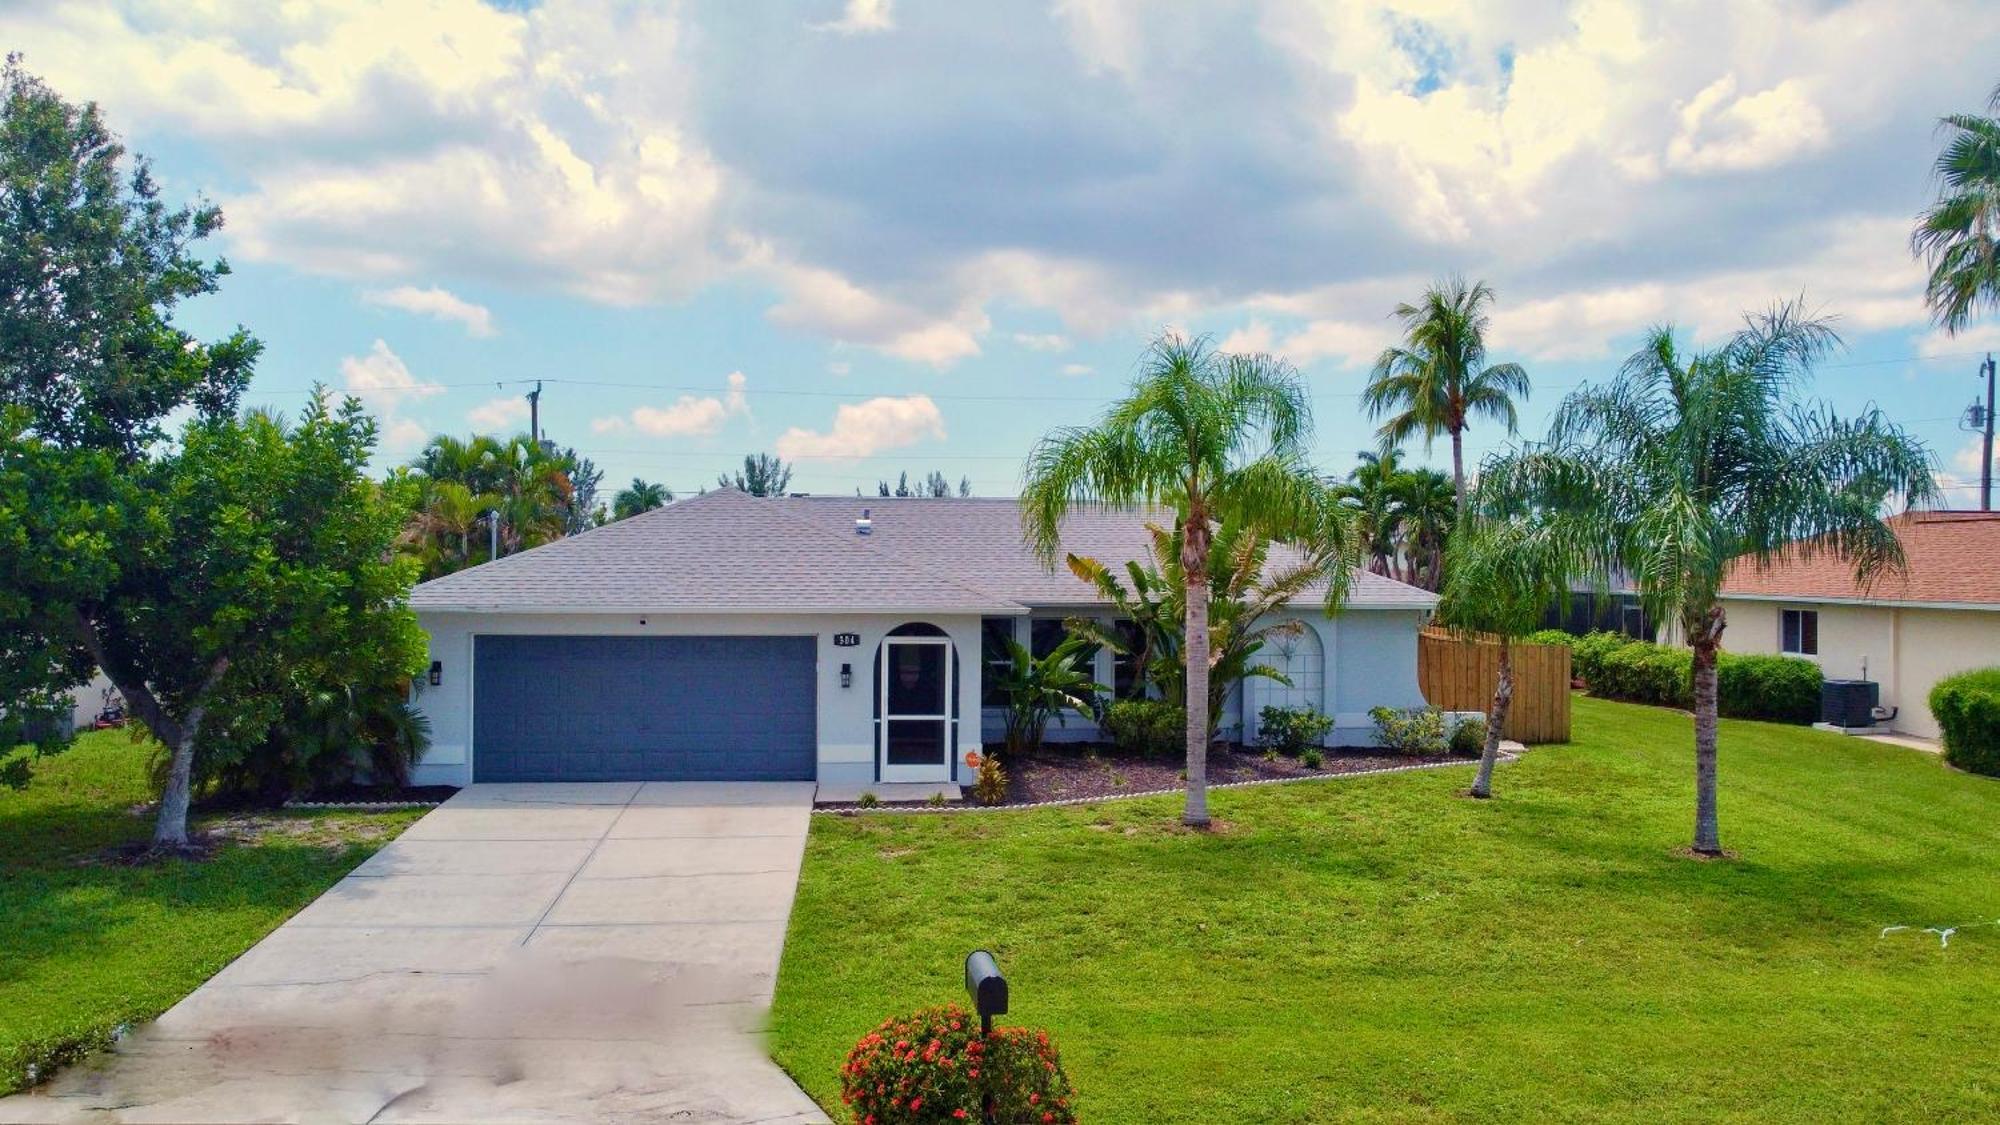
762 475
1037 690
1438 379
1245 589
583 511
1689 462
1507 566
642 496
1214 436
92 267
1958 237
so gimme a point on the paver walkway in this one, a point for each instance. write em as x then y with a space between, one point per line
522 953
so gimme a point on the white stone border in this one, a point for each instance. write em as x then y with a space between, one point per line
968 807
362 806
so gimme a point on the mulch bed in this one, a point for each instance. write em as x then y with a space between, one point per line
1090 771
375 795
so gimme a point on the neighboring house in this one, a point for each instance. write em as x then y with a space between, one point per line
828 638
1906 631
1588 609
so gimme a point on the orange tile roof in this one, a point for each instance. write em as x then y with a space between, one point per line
1951 557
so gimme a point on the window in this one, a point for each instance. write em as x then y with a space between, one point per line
1126 681
1633 623
1798 632
994 633
1045 634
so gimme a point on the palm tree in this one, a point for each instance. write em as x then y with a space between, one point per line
1507 566
1959 236
643 496
1438 379
1404 516
1211 435
1690 462
1427 512
762 475
1369 493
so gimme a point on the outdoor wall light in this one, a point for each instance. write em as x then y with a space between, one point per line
437 672
847 675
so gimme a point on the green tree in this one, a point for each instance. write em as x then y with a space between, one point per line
1689 462
642 496
1039 690
1507 566
1403 516
762 475
1437 380
1213 436
1958 237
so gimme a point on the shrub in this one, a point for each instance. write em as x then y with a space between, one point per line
1967 707
935 1066
1784 689
989 785
1587 653
1290 730
1646 673
1468 738
1416 732
1312 758
1150 727
1550 637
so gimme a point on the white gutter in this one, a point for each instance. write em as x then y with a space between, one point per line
1881 603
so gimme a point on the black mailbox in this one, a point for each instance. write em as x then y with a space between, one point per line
986 986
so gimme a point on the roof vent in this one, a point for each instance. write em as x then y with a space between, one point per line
864 525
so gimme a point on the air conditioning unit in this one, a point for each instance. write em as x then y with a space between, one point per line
1849 703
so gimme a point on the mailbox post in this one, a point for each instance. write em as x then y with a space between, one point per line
987 988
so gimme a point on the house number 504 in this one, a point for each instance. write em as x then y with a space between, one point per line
846 640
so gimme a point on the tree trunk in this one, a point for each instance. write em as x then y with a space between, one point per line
1458 470
170 831
1196 647
1706 638
1496 720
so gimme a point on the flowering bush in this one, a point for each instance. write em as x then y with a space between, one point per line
935 1066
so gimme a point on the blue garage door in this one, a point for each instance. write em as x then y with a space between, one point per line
643 709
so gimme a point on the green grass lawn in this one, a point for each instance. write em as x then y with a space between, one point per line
1381 948
87 944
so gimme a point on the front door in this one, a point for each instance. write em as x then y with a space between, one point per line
916 709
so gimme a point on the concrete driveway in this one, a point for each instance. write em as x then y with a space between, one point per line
522 953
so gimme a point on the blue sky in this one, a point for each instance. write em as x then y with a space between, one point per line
878 236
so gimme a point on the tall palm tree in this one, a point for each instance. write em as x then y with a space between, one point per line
1427 510
1211 435
1403 516
1369 493
1959 236
1690 462
643 496
1438 379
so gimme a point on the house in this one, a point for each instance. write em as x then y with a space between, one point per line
807 637
1905 632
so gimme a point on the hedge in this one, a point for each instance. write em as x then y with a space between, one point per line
1779 688
1967 708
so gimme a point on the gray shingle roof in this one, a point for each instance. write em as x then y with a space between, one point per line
728 552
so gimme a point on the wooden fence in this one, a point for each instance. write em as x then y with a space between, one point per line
1458 673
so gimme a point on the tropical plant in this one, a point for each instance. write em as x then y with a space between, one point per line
1150 728
1691 462
936 1065
328 735
642 496
989 780
1292 730
464 486
1213 436
1416 731
1404 516
1245 590
1958 237
762 475
1507 566
1437 380
1040 689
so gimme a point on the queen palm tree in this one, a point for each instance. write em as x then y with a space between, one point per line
1438 379
643 496
1959 236
1213 436
1688 463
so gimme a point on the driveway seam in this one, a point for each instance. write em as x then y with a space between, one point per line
571 881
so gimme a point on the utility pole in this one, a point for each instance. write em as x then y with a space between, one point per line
1979 419
535 414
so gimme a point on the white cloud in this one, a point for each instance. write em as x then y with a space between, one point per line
498 414
1075 369
1755 131
839 367
822 300
1042 341
434 302
1348 342
867 428
862 17
1972 341
687 416
383 383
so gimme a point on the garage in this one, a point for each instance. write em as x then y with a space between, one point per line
690 708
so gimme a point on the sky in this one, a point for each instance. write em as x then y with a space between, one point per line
875 236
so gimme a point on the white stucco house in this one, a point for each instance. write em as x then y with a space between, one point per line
819 638
1905 632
